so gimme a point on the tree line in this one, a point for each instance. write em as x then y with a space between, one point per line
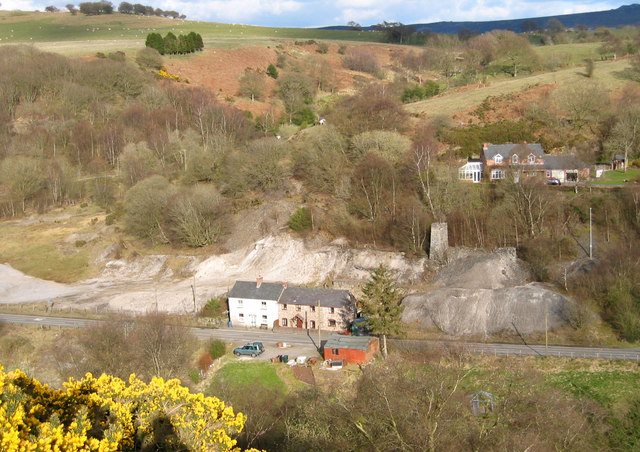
171 44
106 7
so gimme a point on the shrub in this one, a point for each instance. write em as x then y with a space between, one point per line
205 361
212 308
303 117
301 220
195 376
362 60
323 47
272 71
429 89
217 349
149 58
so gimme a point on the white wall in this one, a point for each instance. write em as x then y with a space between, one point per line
253 311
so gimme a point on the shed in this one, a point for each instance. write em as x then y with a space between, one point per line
351 349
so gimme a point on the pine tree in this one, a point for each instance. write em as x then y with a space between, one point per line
381 305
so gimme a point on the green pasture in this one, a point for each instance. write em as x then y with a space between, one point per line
574 54
609 388
261 373
607 73
619 177
69 34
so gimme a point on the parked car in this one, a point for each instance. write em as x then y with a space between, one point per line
553 181
252 348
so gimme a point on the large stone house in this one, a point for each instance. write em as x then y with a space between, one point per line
268 305
523 159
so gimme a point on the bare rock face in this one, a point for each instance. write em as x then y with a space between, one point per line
482 270
486 311
484 293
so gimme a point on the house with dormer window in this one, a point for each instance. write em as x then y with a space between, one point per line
522 159
499 159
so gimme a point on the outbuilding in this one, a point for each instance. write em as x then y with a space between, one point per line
351 349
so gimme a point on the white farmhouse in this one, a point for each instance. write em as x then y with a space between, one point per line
254 303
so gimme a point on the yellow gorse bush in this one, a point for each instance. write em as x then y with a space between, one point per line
165 74
109 414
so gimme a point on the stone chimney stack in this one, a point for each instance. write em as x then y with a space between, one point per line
485 146
439 242
258 282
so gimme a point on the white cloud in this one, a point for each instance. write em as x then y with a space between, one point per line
23 5
362 16
236 11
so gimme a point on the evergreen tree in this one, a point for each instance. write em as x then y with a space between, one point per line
170 44
381 305
155 41
197 40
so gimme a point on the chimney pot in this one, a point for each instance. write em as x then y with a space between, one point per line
258 282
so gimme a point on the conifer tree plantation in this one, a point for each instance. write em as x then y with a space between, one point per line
150 145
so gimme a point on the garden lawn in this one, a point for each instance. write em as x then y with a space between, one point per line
255 372
618 177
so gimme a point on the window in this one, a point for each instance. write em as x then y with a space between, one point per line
497 174
532 158
240 302
264 317
313 309
332 322
514 159
264 305
548 173
312 324
332 310
498 159
284 322
335 351
241 317
298 308
284 307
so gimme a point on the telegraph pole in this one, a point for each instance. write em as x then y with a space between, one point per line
590 233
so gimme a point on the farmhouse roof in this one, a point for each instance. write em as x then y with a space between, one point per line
330 298
251 290
563 162
349 342
507 150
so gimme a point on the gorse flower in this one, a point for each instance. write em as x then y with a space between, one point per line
108 414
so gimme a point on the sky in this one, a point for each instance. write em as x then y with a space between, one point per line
318 13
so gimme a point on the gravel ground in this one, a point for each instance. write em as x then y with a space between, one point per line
271 351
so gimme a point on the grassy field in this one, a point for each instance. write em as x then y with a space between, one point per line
575 53
611 389
619 177
76 35
242 373
606 72
46 248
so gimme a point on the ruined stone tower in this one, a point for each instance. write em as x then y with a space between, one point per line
439 243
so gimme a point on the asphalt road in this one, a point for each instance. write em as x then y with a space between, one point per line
296 339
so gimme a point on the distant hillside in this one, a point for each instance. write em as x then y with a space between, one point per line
625 15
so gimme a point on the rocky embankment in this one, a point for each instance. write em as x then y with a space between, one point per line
484 293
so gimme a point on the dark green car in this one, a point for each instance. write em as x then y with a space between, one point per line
252 348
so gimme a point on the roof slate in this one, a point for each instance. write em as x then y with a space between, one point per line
331 298
563 162
507 150
349 342
249 290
